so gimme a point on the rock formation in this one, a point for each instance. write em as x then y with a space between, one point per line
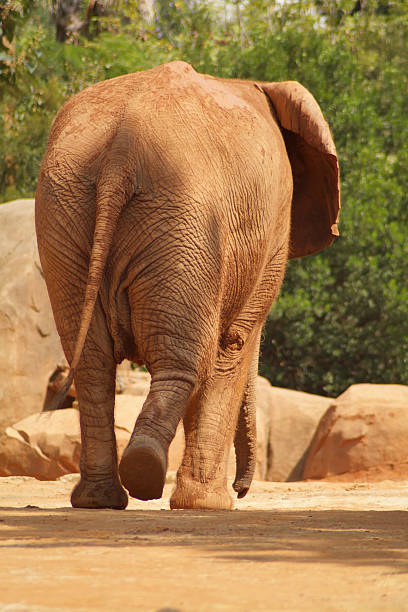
366 427
292 418
29 343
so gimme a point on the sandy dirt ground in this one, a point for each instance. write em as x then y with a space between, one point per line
321 546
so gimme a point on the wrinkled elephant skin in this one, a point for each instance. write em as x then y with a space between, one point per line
167 206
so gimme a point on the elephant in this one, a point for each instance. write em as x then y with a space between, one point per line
167 206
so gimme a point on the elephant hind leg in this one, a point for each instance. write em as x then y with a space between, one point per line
209 426
99 486
143 465
209 429
177 343
143 468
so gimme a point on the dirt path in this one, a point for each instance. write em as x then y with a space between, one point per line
297 546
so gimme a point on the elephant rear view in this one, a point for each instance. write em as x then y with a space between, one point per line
167 206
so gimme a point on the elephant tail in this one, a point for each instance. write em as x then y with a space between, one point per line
245 445
113 190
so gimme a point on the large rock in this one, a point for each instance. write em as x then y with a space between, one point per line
287 421
365 427
47 445
29 343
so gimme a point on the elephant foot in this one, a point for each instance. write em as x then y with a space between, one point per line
99 494
143 468
193 495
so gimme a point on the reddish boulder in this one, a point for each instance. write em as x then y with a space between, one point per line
29 344
47 445
366 427
44 445
289 421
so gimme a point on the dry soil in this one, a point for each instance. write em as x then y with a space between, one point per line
321 546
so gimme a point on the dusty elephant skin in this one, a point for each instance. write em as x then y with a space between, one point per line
165 214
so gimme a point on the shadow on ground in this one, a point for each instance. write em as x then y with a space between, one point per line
353 538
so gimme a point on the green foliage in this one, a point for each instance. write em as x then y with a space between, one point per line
343 314
12 13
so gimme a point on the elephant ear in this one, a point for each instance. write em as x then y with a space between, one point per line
315 169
